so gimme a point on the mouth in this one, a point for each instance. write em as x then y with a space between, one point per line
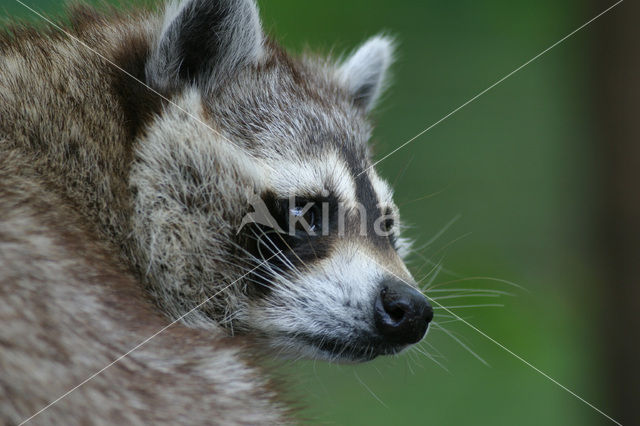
346 351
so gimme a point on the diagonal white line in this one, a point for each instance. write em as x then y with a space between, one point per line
491 87
145 341
501 346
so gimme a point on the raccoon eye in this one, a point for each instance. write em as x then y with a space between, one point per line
305 212
387 226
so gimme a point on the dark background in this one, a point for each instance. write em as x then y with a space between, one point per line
534 183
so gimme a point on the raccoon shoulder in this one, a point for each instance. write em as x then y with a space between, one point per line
69 310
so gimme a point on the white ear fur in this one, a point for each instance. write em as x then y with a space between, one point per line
364 72
202 41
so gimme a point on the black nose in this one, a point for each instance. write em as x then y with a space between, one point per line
402 314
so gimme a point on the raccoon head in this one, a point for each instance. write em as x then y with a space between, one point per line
256 206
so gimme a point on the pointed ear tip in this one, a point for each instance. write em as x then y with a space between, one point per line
384 44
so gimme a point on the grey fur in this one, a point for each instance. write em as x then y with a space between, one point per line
204 41
68 310
107 189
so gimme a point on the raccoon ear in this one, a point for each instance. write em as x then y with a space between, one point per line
364 72
202 41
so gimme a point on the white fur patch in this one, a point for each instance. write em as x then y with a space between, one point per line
382 189
312 176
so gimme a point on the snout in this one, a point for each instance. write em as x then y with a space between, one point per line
401 313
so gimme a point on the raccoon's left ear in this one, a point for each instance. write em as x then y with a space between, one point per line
364 72
203 41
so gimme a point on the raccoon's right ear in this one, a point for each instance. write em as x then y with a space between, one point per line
203 41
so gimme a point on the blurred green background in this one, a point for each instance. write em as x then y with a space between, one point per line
515 167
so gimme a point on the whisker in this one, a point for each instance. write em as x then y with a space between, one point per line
444 229
474 290
448 321
431 262
436 266
488 305
268 240
499 280
461 343
425 197
370 391
462 296
435 272
438 363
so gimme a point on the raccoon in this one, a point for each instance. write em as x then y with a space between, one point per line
180 197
